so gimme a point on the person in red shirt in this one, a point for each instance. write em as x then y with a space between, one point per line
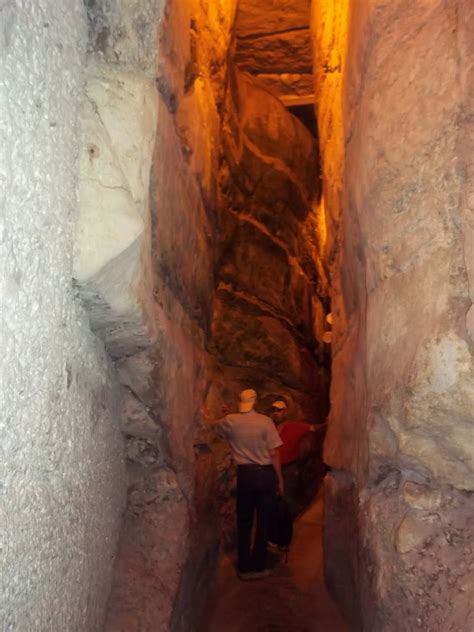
291 433
300 446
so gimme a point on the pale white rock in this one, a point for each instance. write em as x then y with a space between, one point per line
63 480
126 32
112 248
119 124
437 426
411 534
421 496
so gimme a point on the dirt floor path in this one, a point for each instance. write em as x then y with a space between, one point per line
292 599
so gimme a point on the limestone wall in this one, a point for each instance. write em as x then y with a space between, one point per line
156 75
395 127
271 300
273 43
61 453
271 296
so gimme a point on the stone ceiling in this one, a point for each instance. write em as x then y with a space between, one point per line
274 44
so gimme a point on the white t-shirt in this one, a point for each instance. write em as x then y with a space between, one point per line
251 436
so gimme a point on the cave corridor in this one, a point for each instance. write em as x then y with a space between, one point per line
202 196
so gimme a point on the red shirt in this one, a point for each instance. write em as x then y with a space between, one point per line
291 433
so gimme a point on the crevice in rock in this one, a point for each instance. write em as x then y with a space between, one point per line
176 229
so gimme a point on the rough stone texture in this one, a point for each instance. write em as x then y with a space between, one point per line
154 553
111 265
287 84
271 296
273 43
61 458
170 536
432 530
277 15
264 317
283 52
125 32
340 542
396 167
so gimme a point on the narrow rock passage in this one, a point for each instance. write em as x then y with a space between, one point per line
293 599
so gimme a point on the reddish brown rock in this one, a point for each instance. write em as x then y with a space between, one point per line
274 44
282 52
253 18
287 84
395 162
267 323
170 533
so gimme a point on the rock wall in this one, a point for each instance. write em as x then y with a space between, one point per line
271 299
271 295
273 43
148 191
61 457
395 122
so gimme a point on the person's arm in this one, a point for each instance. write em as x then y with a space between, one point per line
275 455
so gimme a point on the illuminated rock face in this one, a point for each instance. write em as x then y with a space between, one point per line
148 192
397 163
272 288
167 204
273 43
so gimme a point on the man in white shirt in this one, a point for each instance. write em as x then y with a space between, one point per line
255 448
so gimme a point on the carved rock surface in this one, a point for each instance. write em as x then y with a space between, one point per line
170 536
62 471
284 52
156 505
402 389
287 84
254 18
265 321
111 263
273 43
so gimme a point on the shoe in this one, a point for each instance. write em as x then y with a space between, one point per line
247 576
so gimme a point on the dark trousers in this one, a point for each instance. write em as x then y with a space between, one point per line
256 488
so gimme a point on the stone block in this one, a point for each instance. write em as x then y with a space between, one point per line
252 262
151 554
182 226
253 18
286 84
340 541
288 51
125 31
245 339
111 256
276 133
271 184
135 417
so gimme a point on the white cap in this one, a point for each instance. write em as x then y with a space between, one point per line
279 404
247 400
